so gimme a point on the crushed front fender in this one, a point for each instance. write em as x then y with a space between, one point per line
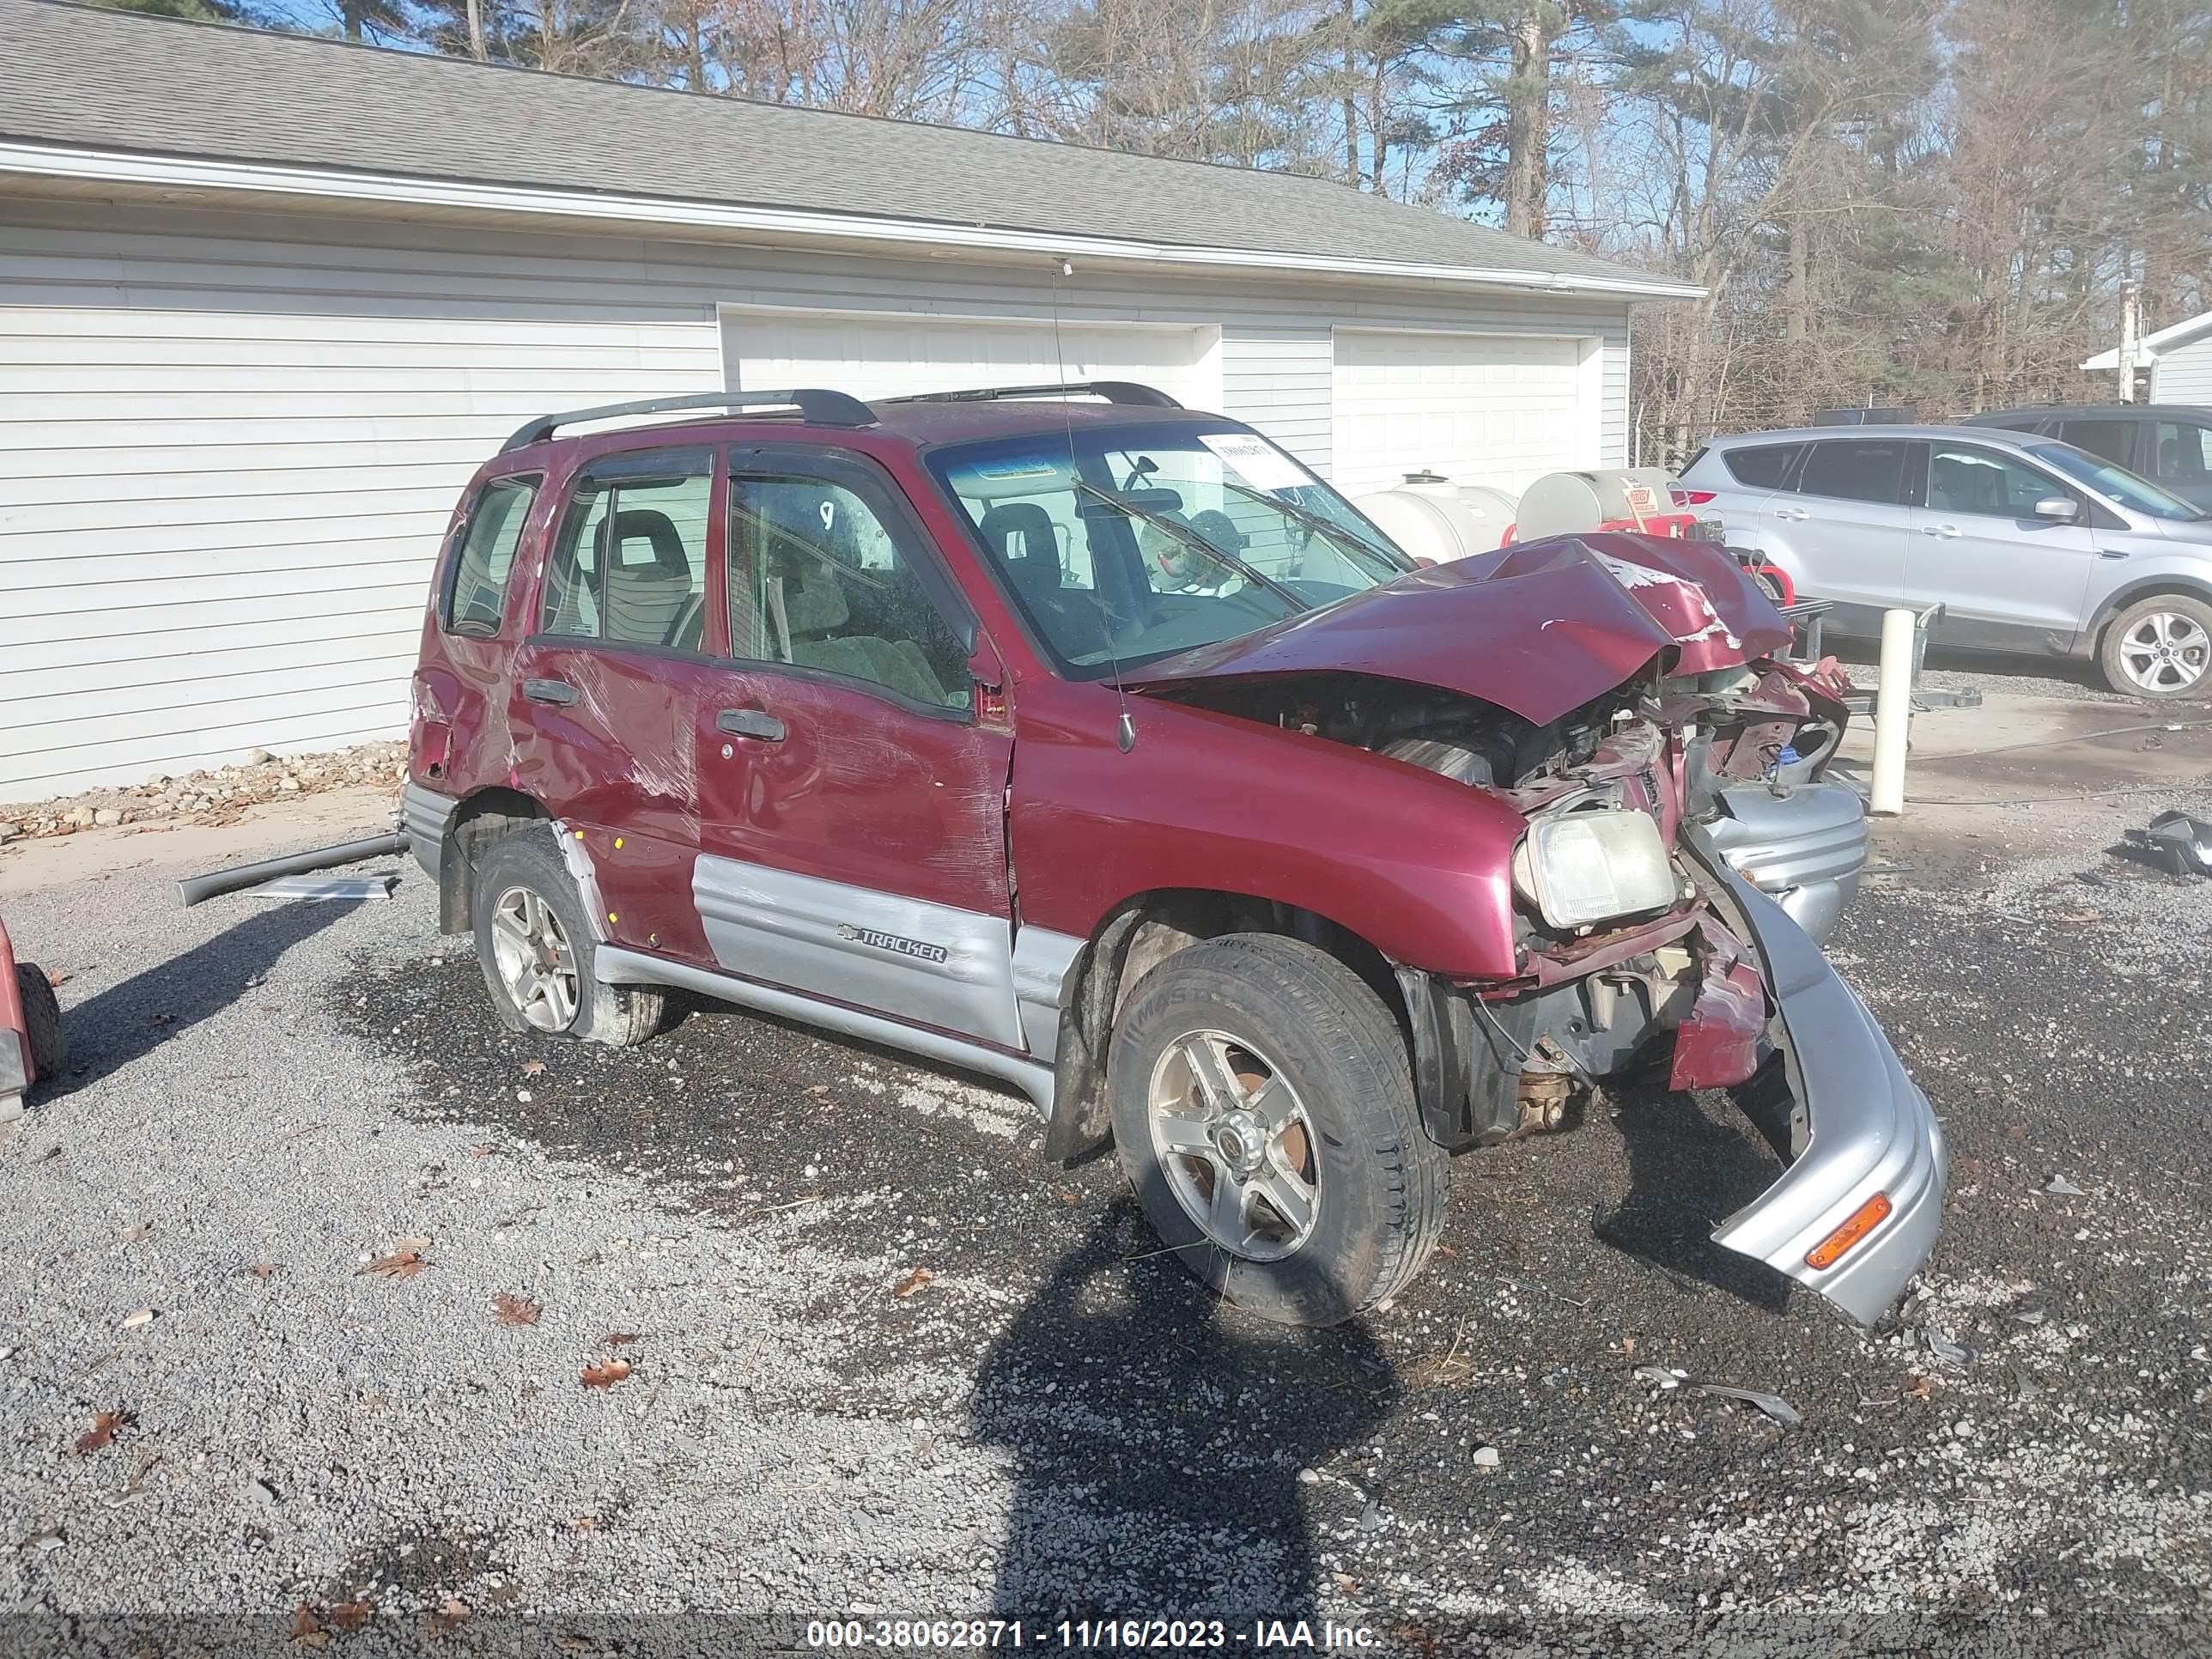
1859 1126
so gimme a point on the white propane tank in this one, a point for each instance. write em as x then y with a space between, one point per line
1569 503
1432 518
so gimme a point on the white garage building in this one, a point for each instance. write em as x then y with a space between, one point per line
265 301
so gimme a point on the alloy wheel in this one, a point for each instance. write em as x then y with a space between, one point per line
1235 1144
536 965
2165 652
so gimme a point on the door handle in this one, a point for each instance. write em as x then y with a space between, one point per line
1940 530
1791 513
559 693
749 723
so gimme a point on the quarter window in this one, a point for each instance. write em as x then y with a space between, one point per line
1762 466
1873 470
630 562
2111 440
1964 479
2185 453
822 576
475 600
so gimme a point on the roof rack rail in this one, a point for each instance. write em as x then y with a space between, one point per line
814 405
1113 392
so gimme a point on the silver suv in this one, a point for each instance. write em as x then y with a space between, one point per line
2031 545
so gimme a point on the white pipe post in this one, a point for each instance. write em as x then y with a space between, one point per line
1893 713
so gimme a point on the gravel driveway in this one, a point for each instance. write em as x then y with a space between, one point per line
883 1362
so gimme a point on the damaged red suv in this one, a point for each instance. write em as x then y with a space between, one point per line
1099 746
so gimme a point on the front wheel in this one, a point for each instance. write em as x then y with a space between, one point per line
2161 647
1264 1111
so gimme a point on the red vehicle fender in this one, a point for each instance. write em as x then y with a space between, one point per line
13 1026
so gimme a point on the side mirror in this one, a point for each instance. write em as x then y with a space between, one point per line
2059 509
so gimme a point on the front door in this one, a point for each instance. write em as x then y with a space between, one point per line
2005 577
605 680
852 834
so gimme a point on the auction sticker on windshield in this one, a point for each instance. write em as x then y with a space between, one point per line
1259 463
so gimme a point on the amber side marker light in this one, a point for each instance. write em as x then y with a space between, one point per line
1861 1222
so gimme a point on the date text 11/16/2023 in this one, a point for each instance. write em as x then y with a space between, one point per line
1090 1635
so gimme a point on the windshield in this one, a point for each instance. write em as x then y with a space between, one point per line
1128 542
2136 494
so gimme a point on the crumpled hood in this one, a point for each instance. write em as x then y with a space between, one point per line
1538 628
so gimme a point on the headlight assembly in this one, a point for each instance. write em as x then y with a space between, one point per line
1585 867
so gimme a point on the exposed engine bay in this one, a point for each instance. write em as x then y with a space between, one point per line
1611 966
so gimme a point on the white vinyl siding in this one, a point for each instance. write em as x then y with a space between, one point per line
2183 375
229 442
1279 379
874 356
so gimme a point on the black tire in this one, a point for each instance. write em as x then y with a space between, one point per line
2135 637
528 861
1378 1181
42 1022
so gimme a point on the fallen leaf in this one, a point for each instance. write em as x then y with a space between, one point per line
103 1430
912 1282
452 1614
1444 1250
819 1089
1066 1196
1345 1583
1919 1387
617 1339
604 1374
1439 1370
352 1615
509 1308
585 1523
532 1067
402 1264
137 1232
59 976
2015 1132
307 1631
574 1644
485 1151
264 1270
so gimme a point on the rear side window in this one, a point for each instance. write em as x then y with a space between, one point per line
2185 453
476 597
1762 466
1852 471
630 562
2111 440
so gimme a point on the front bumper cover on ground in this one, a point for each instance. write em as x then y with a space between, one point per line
1868 1128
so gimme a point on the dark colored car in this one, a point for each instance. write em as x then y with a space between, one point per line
1102 748
2169 444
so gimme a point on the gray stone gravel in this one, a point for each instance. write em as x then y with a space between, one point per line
1055 1420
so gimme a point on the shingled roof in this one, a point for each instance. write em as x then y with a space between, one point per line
93 79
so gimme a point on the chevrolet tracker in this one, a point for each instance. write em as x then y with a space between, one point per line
1099 746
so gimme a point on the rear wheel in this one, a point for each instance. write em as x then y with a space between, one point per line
2161 646
42 1022
1264 1111
535 945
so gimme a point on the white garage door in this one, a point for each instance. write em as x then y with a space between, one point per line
1486 409
879 357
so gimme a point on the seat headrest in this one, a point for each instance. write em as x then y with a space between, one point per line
814 601
657 530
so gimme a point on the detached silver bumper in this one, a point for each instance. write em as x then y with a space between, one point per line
1868 1130
1804 848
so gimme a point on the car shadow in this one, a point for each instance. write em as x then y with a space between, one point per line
1688 1171
1157 1433
108 1031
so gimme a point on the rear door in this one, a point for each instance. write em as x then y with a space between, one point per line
1848 523
605 684
852 830
2004 576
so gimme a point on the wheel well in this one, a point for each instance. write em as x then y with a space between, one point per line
2151 587
1137 938
477 822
